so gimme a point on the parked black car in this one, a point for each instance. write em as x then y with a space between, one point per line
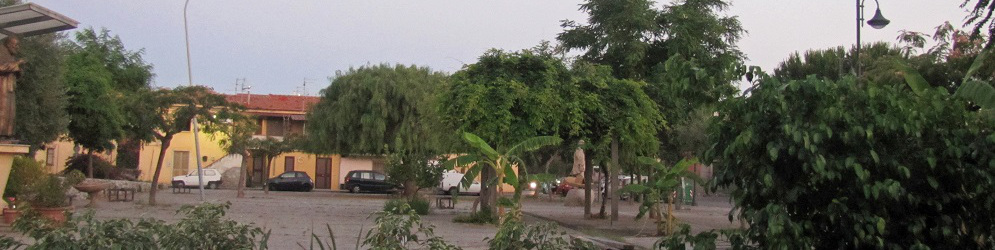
291 180
366 180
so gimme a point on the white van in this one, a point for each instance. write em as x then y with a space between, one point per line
451 183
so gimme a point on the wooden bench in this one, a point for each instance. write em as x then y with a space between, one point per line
177 189
444 202
121 194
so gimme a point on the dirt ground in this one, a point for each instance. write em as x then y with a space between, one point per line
293 216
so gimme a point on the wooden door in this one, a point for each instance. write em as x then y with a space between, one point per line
258 168
323 173
288 164
181 163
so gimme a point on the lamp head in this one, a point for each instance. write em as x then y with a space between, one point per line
878 21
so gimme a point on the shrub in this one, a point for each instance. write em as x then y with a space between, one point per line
24 172
101 168
419 205
50 191
393 205
838 165
514 234
202 227
478 217
399 227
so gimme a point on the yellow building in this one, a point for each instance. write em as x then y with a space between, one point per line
277 116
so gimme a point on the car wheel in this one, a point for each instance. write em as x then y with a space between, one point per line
308 188
177 184
212 185
453 190
355 189
269 187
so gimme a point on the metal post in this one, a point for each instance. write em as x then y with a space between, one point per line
856 58
196 131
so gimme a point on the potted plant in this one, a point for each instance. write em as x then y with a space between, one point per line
10 213
48 196
24 173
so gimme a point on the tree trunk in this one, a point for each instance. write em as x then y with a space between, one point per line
588 178
269 161
604 196
89 163
410 189
158 168
487 197
613 176
240 186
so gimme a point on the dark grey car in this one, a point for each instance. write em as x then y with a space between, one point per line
367 180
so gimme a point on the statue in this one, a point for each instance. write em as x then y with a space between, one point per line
10 70
576 177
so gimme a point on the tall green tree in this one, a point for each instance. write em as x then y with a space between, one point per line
507 97
174 109
41 91
94 122
234 133
381 110
620 122
686 51
130 75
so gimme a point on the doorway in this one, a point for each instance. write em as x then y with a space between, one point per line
323 173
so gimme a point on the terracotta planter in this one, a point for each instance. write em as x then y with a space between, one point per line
55 214
9 215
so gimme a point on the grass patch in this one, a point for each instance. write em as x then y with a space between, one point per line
421 206
479 217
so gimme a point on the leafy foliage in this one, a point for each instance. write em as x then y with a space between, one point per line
477 217
41 91
24 172
685 52
514 234
50 190
377 110
419 205
172 111
663 182
202 227
101 168
413 172
400 227
94 122
503 162
895 169
384 110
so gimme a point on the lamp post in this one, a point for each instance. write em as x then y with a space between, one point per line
196 132
877 22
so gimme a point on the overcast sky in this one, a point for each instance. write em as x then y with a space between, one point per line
278 45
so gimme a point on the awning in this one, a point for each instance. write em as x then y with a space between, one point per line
30 19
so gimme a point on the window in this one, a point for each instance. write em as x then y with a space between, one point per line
275 127
288 175
379 177
181 162
259 127
50 156
365 175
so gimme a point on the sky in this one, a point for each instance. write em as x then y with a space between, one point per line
278 47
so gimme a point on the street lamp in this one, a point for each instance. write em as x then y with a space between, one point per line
877 22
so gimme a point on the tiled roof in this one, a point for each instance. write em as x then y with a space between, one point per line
274 102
